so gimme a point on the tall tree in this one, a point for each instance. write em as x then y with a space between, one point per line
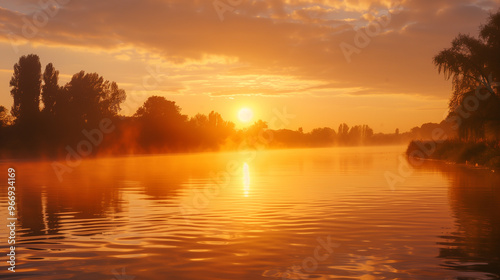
466 62
474 64
322 136
88 98
26 85
490 34
162 124
161 109
343 133
50 89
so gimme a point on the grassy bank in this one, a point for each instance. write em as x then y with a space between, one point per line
485 154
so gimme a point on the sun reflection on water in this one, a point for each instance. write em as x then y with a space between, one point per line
246 179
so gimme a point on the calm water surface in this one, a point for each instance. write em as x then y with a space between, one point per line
290 214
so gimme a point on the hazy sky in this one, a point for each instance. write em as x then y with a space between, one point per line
227 54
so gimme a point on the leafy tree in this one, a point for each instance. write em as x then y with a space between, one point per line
343 129
209 132
159 108
199 120
26 85
474 65
366 132
355 135
88 98
343 133
466 62
490 34
322 136
257 127
162 124
5 119
50 89
219 128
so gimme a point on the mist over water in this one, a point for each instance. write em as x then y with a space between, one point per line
282 214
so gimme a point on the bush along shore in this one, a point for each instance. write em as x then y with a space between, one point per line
480 153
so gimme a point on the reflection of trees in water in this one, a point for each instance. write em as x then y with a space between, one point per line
44 201
355 161
93 190
475 201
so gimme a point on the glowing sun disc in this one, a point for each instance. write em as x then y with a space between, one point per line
245 115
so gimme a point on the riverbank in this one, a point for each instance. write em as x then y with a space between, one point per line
483 153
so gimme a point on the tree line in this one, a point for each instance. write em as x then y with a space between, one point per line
47 119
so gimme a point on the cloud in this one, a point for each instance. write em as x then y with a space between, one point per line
298 39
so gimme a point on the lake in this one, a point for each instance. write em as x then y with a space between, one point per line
281 214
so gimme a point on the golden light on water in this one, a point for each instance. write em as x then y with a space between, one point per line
246 179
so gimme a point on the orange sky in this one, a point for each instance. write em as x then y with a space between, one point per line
264 55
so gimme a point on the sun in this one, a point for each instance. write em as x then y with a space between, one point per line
245 115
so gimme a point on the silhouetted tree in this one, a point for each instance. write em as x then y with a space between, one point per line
26 85
159 108
366 133
343 129
322 136
5 119
474 65
256 128
163 125
283 138
355 135
219 125
219 129
50 89
490 34
88 98
466 63
209 132
199 120
157 126
343 133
